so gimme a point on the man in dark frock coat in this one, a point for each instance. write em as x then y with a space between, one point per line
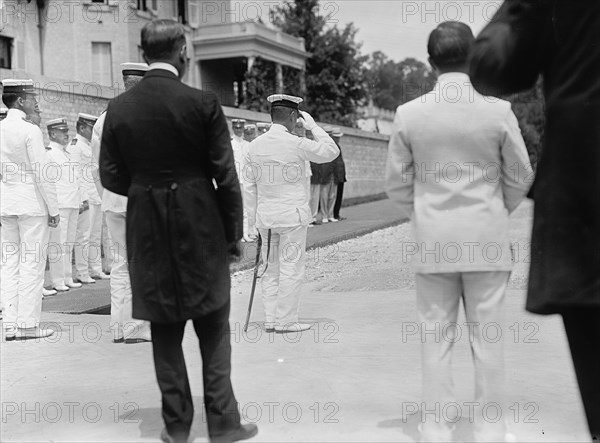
163 144
559 39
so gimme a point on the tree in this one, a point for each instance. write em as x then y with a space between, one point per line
391 83
334 71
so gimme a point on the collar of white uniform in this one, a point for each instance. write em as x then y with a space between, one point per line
279 127
16 113
459 78
238 139
165 66
85 141
55 145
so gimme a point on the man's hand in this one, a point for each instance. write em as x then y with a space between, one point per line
309 122
84 206
53 220
234 251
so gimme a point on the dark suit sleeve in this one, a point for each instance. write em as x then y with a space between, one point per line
114 174
508 54
222 169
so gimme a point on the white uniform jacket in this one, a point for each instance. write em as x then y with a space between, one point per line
65 173
24 188
457 166
110 201
81 152
276 173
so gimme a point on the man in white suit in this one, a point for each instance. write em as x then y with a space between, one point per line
457 167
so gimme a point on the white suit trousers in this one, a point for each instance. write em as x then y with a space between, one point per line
121 320
315 192
283 277
24 243
60 248
438 299
88 256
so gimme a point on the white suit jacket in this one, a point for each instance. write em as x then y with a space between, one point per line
25 186
457 166
275 175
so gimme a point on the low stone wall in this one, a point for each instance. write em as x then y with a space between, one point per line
364 152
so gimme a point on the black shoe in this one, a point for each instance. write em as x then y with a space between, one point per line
167 438
118 340
244 432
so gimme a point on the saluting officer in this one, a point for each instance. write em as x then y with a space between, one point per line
279 204
88 257
71 200
27 207
125 327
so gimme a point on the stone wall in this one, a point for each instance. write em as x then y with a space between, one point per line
364 152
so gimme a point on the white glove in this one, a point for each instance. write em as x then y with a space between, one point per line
308 121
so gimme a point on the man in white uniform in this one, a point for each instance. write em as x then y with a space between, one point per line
457 167
88 256
71 199
278 202
28 206
125 327
240 147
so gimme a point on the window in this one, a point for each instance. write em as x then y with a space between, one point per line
5 52
154 5
101 63
182 11
141 5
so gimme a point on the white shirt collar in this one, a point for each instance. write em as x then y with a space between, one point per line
165 66
55 145
16 113
460 77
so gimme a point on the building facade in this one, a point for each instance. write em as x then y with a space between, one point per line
85 41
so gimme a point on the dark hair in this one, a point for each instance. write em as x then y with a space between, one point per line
279 113
10 98
161 39
449 44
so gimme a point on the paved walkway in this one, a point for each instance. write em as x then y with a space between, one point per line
360 220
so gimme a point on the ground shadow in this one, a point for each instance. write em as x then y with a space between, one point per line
410 427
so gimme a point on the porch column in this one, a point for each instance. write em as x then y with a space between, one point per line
278 79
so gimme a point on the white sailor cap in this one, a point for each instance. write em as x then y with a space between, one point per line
131 68
262 126
288 101
238 123
57 123
3 112
86 118
334 131
18 86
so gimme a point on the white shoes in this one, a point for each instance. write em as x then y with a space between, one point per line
48 292
293 327
86 280
333 220
325 220
61 288
29 333
72 284
100 276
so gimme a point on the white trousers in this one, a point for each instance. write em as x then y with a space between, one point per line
249 228
60 248
283 277
88 256
107 261
24 243
122 322
438 299
327 196
315 192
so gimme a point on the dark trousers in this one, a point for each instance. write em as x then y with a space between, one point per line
338 200
582 326
220 403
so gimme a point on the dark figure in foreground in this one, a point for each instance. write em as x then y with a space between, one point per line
163 144
559 39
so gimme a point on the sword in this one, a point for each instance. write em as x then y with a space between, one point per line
256 263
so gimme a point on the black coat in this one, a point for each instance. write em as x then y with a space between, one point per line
561 40
163 143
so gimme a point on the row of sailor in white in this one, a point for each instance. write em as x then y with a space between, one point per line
279 203
28 205
88 239
71 195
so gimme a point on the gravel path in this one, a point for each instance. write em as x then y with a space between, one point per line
373 262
